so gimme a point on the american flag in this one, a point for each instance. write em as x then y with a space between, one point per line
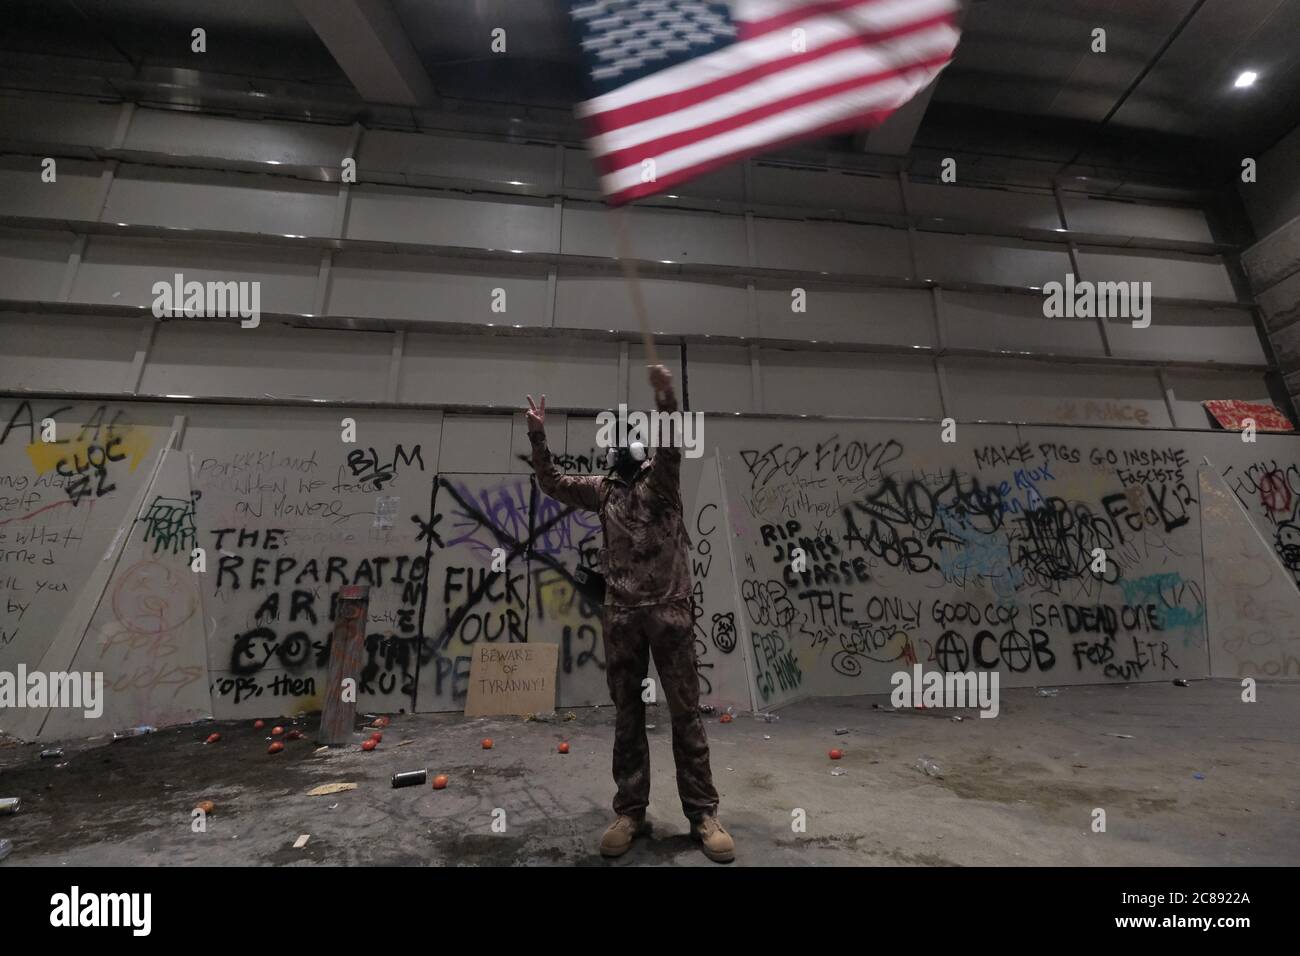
685 86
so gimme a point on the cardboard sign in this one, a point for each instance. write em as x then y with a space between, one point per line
1232 414
512 679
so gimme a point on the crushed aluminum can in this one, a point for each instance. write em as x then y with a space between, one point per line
769 718
51 754
9 805
841 731
1181 682
5 848
707 709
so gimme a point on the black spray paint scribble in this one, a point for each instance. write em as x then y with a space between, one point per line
513 547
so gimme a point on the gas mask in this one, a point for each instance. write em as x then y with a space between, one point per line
625 462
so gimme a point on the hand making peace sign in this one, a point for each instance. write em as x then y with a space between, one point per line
536 415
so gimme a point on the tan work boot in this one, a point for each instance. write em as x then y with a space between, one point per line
618 838
716 842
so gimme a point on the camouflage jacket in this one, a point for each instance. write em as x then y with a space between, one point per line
646 558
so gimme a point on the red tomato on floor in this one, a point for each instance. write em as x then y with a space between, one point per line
487 743
564 748
440 782
837 754
275 747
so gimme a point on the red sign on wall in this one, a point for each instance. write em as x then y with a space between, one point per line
1232 414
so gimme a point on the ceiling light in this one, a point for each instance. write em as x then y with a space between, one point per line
1246 79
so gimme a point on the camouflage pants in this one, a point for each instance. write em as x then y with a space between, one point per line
631 636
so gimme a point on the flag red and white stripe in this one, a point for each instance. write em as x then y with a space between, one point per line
797 69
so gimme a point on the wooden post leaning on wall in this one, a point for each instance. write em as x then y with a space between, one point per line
347 651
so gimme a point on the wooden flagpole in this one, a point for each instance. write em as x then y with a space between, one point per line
634 286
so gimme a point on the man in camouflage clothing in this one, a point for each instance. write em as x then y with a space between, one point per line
647 612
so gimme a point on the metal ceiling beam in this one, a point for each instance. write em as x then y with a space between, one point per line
367 40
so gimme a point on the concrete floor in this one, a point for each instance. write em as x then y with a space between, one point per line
1018 789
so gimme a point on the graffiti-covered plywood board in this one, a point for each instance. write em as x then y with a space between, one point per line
478 580
1046 555
63 504
291 514
146 635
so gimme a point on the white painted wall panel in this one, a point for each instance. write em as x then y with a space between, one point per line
32 264
1171 275
234 202
1015 323
123 271
579 173
831 247
178 133
435 290
674 305
475 443
835 314
73 194
46 119
491 370
823 383
719 380
592 230
1005 207
787 186
393 214
73 353
208 358
1177 332
419 154
960 258
1005 391
1090 214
